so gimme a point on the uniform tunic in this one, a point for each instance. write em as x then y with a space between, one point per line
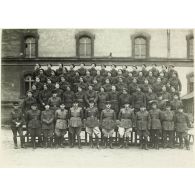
68 98
82 71
124 98
126 117
176 83
76 116
107 87
91 115
138 99
132 88
114 100
64 85
175 104
167 118
93 72
120 86
90 95
88 79
102 98
108 121
44 96
182 122
151 80
99 78
54 102
28 101
80 96
114 72
155 115
61 117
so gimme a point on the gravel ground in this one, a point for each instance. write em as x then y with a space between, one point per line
86 157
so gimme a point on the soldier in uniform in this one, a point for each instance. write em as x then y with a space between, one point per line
155 126
54 101
171 70
76 123
38 84
154 70
47 121
35 93
58 90
99 77
88 78
145 87
150 96
144 70
103 71
96 85
167 119
142 119
134 71
129 79
33 121
114 99
61 118
63 83
36 70
44 96
16 124
108 124
50 85
120 85
126 124
107 86
42 77
113 71
138 99
133 86
68 98
163 78
92 123
54 78
101 99
125 72
83 85
124 98
48 70
28 101
59 70
151 78
182 125
165 95
140 78
176 103
90 95
82 70
175 82
157 86
80 97
92 70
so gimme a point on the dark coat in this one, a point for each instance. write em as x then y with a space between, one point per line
33 119
143 120
138 99
80 97
167 118
155 115
16 116
26 105
101 100
47 119
68 98
124 98
182 122
90 95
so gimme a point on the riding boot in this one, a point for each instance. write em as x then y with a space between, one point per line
126 141
110 142
15 143
33 142
40 141
91 141
45 142
146 144
56 142
156 144
97 142
105 142
72 140
22 141
187 144
79 143
121 142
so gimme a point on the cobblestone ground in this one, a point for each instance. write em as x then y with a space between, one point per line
86 157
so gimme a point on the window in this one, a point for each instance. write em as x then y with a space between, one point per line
85 47
28 81
84 44
190 46
140 45
30 47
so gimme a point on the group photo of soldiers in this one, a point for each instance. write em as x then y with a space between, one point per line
102 102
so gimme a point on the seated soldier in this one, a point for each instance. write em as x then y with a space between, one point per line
90 95
92 70
102 97
144 70
68 98
82 70
92 123
113 71
48 70
124 98
17 122
107 86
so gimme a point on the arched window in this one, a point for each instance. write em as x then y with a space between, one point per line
84 44
140 45
28 81
190 46
30 47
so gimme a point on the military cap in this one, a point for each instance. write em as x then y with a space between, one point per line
54 91
144 65
29 91
153 102
15 103
108 102
49 64
180 107
34 104
135 66
114 65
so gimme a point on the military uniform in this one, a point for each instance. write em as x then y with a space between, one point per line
16 125
28 101
99 78
138 99
151 80
120 86
126 124
176 83
101 100
143 120
54 79
75 124
113 72
155 126
167 119
125 98
90 95
34 124
47 121
93 72
82 71
68 98
150 96
39 85
88 79
175 104
80 97
114 100
44 96
132 87
61 117
92 124
107 87
54 103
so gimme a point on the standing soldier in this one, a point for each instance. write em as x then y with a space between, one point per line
133 86
165 95
88 78
150 96
44 96
114 99
99 77
93 71
35 93
108 124
107 86
42 77
154 70
167 118
82 70
182 125
134 71
54 78
176 103
101 99
103 71
96 85
54 101
68 98
16 124
58 90
59 70
38 84
47 121
80 97
140 78
145 87
90 95
138 99
50 85
142 119
48 70
124 98
120 85
36 70
151 78
171 71
175 82
126 118
155 126
125 72
63 83
34 124
61 118
157 86
82 84
92 123
28 101
113 71
76 123
129 79
144 70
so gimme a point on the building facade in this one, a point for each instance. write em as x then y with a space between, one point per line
23 48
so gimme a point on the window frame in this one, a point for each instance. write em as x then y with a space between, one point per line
188 38
80 35
145 36
23 42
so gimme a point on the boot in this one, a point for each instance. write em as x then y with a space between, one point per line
33 143
45 142
105 142
110 142
91 141
146 145
121 142
97 142
15 143
156 145
79 143
187 144
72 138
40 142
56 142
22 142
126 141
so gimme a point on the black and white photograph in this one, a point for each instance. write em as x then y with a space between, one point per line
97 97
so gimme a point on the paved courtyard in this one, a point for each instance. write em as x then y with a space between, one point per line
66 157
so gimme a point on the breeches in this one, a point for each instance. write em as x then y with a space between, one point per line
124 132
75 130
95 130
